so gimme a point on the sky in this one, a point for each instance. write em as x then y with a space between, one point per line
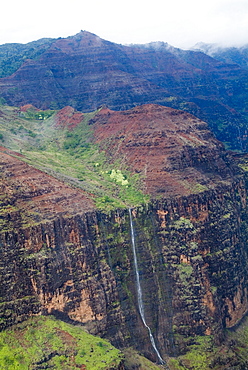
181 23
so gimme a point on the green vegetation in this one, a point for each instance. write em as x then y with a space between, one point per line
70 156
81 170
185 270
193 188
243 163
204 354
12 56
34 114
199 188
134 361
183 223
198 356
44 342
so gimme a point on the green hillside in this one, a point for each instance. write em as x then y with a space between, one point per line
69 155
12 56
44 342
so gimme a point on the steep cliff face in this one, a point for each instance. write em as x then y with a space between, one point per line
191 256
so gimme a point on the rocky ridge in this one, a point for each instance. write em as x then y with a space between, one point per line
174 152
231 54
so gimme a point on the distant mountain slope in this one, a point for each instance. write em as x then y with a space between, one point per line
12 56
237 55
85 72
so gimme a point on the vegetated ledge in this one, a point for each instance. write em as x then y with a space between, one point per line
164 152
173 151
43 342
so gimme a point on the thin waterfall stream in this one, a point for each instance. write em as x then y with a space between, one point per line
139 290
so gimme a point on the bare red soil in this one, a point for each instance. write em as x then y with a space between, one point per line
68 118
32 190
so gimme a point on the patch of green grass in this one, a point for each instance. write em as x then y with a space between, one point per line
183 223
198 357
91 172
199 188
227 215
45 341
185 270
33 114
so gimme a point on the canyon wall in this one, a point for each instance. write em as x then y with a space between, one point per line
60 255
192 259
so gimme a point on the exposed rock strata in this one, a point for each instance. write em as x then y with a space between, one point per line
85 71
29 195
192 264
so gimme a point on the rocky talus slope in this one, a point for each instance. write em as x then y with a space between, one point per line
61 255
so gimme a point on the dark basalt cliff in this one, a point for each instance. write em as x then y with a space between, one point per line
60 255
192 263
85 71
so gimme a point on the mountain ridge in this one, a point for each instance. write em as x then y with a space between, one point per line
85 71
231 54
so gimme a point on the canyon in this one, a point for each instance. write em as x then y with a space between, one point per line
85 72
62 255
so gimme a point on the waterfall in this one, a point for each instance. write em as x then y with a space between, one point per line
139 290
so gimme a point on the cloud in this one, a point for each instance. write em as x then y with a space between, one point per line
179 22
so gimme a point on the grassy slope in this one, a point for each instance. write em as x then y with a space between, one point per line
69 156
203 354
44 342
